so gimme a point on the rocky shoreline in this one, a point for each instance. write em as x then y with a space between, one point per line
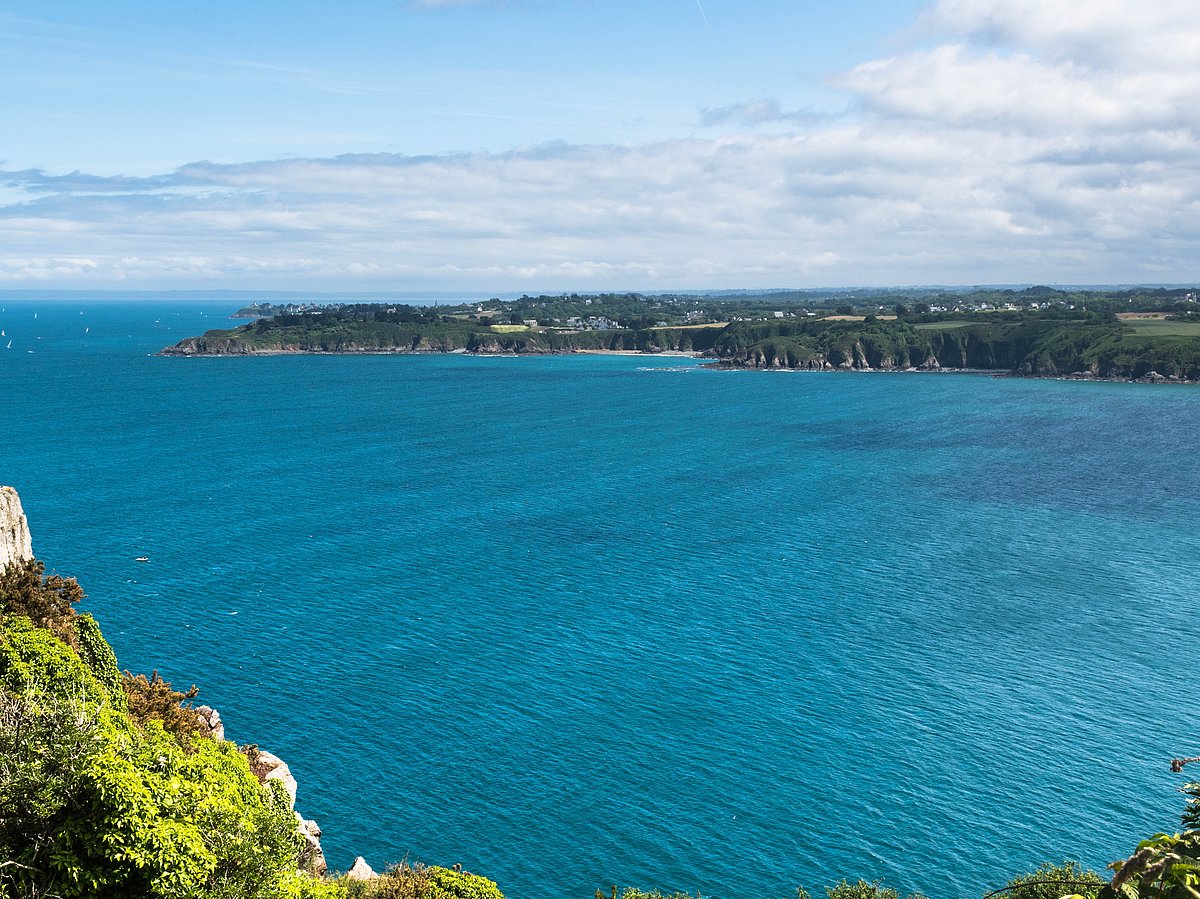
197 348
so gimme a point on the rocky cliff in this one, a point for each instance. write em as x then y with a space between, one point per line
15 543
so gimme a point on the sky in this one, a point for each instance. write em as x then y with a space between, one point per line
551 145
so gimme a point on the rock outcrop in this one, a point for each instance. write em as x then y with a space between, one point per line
360 870
210 723
267 766
15 543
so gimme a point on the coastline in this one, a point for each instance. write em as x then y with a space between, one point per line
1151 378
377 351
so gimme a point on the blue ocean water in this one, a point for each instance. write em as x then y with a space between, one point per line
587 620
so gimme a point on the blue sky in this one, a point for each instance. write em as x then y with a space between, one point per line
584 144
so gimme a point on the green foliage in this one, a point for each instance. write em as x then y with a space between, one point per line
34 659
296 885
92 804
45 600
448 884
406 881
1191 814
1055 881
402 881
99 657
863 889
1162 867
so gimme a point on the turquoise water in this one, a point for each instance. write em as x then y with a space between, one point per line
578 621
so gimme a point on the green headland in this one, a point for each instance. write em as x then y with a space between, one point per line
1150 335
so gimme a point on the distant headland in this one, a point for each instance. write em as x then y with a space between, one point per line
1150 335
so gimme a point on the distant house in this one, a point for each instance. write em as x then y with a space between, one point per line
530 322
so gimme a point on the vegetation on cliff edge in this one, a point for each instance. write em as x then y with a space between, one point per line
108 788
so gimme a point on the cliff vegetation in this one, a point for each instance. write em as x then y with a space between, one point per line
114 785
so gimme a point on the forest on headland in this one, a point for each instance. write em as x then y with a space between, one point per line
1150 334
114 784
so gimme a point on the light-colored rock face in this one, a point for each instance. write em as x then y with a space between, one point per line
271 767
360 870
15 544
275 768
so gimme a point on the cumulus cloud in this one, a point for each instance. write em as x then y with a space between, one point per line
1029 142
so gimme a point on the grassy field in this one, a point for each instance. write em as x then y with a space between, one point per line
509 329
1156 327
940 326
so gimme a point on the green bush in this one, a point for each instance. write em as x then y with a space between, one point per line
1166 866
400 882
99 657
92 804
406 881
859 889
1055 881
448 884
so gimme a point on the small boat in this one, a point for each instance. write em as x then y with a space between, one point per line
142 559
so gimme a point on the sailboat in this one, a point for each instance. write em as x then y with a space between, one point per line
9 347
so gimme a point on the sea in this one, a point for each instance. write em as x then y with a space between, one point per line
584 621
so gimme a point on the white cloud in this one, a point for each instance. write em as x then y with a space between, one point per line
1035 142
759 112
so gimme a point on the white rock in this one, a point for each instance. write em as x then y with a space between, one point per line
360 870
211 721
277 769
15 543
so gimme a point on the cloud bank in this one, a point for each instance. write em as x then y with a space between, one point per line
1025 142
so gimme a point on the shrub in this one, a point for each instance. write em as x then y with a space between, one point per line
1191 814
99 657
860 889
1165 866
46 600
448 884
1054 881
400 882
406 881
92 804
153 699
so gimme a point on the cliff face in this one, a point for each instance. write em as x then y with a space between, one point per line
15 543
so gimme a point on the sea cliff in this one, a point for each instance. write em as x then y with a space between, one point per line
1026 344
15 542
